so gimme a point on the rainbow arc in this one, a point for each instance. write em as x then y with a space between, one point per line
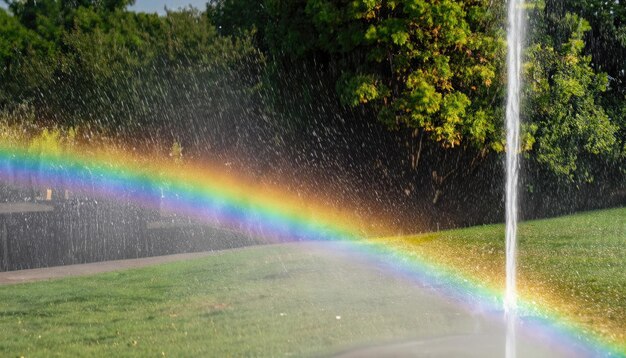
209 193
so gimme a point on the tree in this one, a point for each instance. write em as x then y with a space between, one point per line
570 128
96 65
606 36
22 54
605 43
428 65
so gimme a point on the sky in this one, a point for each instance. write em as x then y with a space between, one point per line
157 5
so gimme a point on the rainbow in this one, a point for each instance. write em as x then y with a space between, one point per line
211 194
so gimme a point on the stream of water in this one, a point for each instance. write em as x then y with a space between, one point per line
514 48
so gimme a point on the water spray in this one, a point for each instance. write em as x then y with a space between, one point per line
514 49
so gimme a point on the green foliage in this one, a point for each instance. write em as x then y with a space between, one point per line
421 64
563 101
605 43
18 48
14 124
46 18
92 63
15 38
358 89
48 143
53 142
437 66
176 152
431 68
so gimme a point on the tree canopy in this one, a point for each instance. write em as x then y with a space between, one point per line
431 70
94 63
436 67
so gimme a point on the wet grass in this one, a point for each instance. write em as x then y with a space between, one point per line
280 300
576 264
298 300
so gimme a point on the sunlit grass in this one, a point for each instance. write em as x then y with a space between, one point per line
275 300
574 265
297 300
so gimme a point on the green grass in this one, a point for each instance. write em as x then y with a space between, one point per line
574 264
261 301
284 299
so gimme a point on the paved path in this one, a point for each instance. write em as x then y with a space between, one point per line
48 273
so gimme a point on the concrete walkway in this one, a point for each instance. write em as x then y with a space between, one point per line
49 273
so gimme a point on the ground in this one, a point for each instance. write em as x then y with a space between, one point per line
293 299
572 264
300 299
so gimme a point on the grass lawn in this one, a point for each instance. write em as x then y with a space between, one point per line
275 300
297 299
574 264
